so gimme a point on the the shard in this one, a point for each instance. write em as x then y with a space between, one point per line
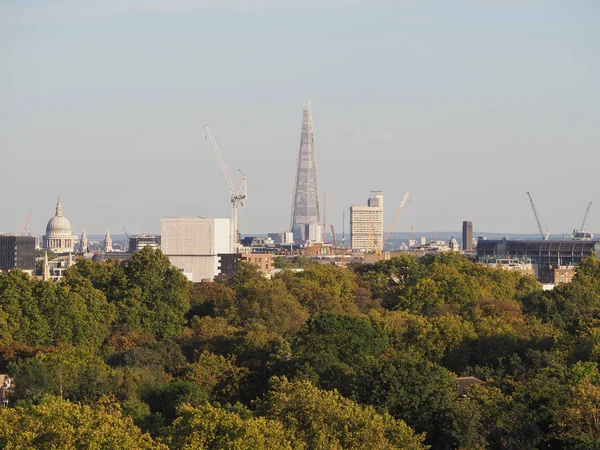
305 209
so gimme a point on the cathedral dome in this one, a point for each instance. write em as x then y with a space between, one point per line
59 225
58 237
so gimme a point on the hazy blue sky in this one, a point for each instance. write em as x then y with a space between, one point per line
467 103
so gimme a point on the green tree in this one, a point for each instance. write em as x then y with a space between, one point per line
263 301
150 294
216 375
326 420
323 288
77 313
333 347
412 389
56 423
67 372
579 421
205 295
206 427
25 323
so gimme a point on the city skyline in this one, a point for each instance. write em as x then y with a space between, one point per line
469 106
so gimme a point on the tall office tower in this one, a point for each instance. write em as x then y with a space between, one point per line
366 224
305 209
467 236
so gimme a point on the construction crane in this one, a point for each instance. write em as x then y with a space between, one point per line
334 241
585 216
127 236
537 219
391 228
581 234
238 195
26 224
378 253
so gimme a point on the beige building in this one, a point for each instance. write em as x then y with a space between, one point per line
192 244
264 261
366 225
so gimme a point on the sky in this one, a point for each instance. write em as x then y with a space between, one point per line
468 104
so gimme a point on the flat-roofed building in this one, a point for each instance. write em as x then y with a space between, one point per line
366 224
17 252
542 253
282 238
192 244
138 242
229 262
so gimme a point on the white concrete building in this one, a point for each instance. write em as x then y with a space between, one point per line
366 224
192 244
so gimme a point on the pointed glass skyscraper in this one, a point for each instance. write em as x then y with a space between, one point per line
305 223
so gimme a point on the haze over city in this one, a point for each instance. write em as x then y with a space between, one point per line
469 105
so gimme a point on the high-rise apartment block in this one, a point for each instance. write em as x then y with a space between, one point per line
305 209
366 224
467 236
192 244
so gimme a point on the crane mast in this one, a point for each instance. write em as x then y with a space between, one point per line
537 219
238 195
334 240
26 224
585 216
402 203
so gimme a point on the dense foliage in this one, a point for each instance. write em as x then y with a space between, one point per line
132 355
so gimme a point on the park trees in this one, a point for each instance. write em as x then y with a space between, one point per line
57 423
325 420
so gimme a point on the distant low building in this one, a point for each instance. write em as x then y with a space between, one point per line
58 266
229 262
433 247
282 238
465 382
556 274
138 242
257 242
525 267
6 386
543 253
105 256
